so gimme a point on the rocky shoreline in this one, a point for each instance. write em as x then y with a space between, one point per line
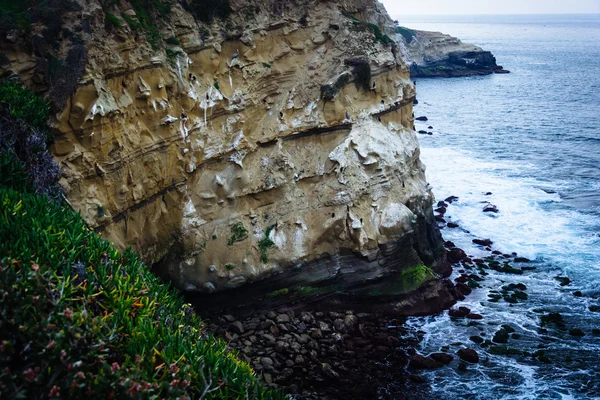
330 350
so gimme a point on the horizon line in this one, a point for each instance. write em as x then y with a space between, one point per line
499 14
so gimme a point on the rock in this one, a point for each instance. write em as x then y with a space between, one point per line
455 255
563 280
423 132
327 370
502 71
501 336
461 312
268 378
451 199
316 334
441 210
339 325
419 362
267 363
522 260
351 321
443 358
464 289
594 308
476 339
229 318
468 355
417 379
576 332
323 326
237 327
483 242
423 118
452 225
489 207
282 318
430 127
475 316
268 338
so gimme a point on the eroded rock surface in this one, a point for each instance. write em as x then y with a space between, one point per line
223 170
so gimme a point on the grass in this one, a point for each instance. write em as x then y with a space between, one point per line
238 233
229 267
80 319
406 281
267 65
278 293
265 244
173 41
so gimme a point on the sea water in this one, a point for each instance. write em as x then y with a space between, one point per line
532 139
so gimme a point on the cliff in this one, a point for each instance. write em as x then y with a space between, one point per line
274 141
434 54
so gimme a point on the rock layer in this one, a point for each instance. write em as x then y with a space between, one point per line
222 170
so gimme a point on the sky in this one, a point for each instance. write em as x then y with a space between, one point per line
418 7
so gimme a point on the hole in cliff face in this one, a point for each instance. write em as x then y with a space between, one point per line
166 268
332 215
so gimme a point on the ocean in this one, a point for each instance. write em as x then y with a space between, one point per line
532 139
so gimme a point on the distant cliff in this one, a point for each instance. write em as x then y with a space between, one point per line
434 54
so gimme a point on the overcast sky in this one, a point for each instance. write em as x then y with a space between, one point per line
412 7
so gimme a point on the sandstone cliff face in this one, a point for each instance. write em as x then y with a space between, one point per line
223 170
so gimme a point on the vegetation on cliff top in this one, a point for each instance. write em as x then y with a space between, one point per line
80 319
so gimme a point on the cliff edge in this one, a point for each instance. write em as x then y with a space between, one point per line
434 54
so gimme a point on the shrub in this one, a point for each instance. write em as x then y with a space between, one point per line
23 105
112 20
173 41
264 244
329 91
380 36
361 69
63 75
238 233
413 278
407 34
207 10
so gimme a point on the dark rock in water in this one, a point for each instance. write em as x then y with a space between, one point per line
421 118
439 218
455 255
501 336
596 332
417 379
502 71
430 127
420 362
452 225
459 312
594 308
577 293
528 268
415 101
464 289
476 339
457 63
488 194
449 244
576 332
563 280
442 204
475 316
555 319
441 210
489 207
430 133
443 358
423 132
483 242
468 355
451 199
522 260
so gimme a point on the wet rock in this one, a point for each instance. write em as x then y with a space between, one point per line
594 308
442 204
229 318
468 355
455 255
563 280
501 336
476 339
441 210
576 332
451 199
483 242
488 194
350 321
489 207
464 289
475 316
417 379
452 225
430 127
422 132
439 218
267 363
461 312
419 362
522 260
577 293
443 358
555 319
423 118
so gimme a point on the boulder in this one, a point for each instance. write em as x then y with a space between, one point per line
419 362
237 327
443 358
468 355
483 242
